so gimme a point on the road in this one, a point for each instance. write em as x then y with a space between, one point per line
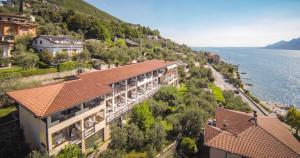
220 82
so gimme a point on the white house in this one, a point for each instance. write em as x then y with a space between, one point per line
55 44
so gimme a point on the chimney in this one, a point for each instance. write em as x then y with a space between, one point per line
21 7
254 118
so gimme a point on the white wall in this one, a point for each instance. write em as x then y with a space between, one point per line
34 129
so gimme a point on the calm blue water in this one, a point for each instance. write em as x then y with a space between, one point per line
274 73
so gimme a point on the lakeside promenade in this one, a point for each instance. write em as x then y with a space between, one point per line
220 82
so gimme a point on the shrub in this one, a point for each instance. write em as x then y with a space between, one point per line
188 146
71 65
42 65
70 151
142 116
66 66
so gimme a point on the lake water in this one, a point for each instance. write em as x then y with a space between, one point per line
275 74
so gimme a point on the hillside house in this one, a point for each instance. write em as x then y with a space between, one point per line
55 44
239 135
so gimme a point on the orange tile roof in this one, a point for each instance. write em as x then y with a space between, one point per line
269 138
121 73
46 100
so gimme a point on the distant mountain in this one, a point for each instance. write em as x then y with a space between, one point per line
293 44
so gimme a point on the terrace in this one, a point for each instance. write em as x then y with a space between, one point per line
120 87
132 82
69 135
74 111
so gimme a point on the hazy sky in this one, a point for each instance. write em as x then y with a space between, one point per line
212 22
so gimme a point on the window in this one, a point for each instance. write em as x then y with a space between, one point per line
41 42
35 41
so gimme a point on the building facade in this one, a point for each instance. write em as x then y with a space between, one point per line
12 26
80 111
55 44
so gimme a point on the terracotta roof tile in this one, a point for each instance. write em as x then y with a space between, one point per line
46 100
124 72
270 138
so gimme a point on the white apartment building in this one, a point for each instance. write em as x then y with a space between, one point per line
81 111
55 44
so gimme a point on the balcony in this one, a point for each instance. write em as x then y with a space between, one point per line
141 78
68 135
7 38
120 87
134 97
149 86
120 100
161 71
155 73
64 115
94 123
148 75
141 91
132 82
93 103
94 119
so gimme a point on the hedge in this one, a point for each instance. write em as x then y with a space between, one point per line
20 72
71 65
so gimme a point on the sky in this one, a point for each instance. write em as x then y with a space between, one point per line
212 23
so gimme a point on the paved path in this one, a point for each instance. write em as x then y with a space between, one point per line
220 82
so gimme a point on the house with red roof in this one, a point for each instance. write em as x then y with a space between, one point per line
80 111
237 135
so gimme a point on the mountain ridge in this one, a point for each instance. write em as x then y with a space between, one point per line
293 44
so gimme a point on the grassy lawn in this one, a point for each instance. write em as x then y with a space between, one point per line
25 72
217 92
182 90
7 110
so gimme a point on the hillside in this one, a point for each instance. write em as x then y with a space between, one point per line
80 20
86 8
293 44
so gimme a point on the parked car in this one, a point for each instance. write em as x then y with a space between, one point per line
236 91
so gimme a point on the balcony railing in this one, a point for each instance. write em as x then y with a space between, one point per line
93 103
64 115
7 38
71 134
132 84
131 104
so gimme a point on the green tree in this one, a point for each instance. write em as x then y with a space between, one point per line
118 138
37 154
293 119
135 139
120 42
167 94
192 121
156 135
83 56
70 151
188 147
27 60
142 116
158 108
46 57
61 56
